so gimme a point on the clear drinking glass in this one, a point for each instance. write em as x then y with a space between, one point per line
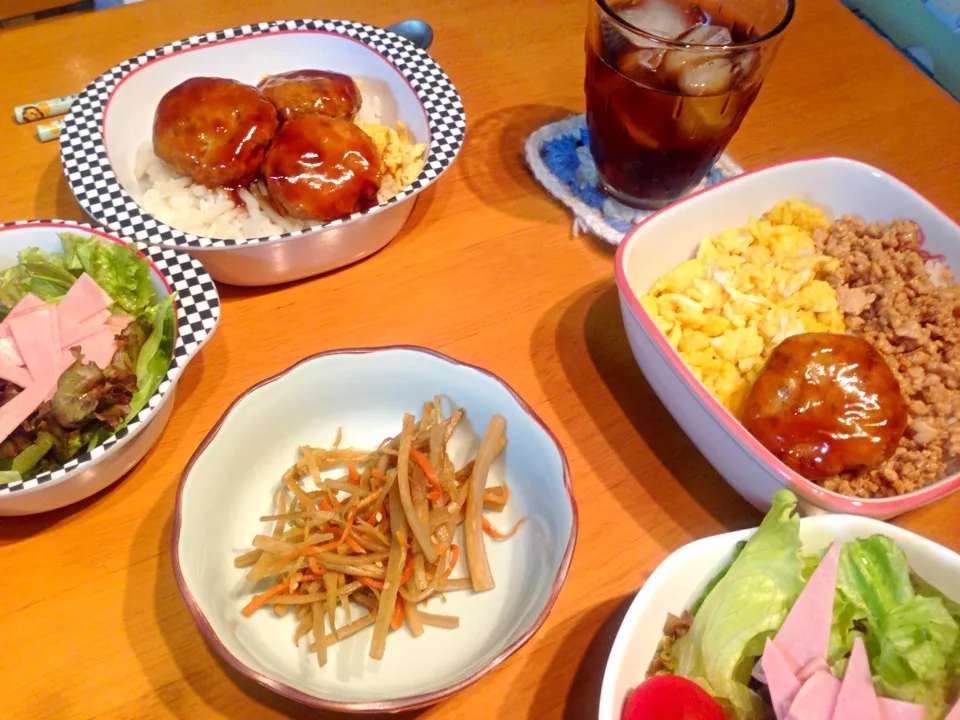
668 83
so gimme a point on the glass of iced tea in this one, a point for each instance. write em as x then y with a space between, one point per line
668 84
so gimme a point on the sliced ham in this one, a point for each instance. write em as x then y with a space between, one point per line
805 634
954 713
71 333
15 411
84 299
811 669
8 348
857 699
17 375
120 322
35 342
816 699
781 681
27 303
900 710
37 336
99 348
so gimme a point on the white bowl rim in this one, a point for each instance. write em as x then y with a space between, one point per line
651 585
93 182
393 705
835 502
185 278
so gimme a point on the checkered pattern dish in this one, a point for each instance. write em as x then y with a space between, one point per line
197 312
95 185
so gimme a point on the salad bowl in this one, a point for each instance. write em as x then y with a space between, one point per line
192 318
683 577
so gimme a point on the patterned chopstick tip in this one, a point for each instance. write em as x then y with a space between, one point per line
49 130
43 109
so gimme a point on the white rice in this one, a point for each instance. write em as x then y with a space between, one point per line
206 212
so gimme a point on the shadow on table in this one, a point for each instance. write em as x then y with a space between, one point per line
15 529
585 333
426 202
494 168
197 665
577 665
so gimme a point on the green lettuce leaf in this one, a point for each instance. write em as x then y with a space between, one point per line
914 664
153 360
912 640
745 607
40 273
116 268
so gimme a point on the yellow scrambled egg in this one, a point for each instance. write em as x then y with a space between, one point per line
402 158
747 290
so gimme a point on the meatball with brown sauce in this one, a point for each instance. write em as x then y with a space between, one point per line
312 92
322 168
825 404
214 130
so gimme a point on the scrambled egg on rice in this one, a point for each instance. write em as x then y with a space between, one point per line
747 290
402 158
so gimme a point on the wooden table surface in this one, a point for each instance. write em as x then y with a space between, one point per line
91 622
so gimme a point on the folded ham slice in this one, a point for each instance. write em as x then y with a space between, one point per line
36 338
816 699
781 681
857 699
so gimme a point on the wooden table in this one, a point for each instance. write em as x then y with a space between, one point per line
91 622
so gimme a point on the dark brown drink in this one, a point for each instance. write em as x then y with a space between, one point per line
667 85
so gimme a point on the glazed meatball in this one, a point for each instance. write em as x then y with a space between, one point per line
309 92
826 403
214 130
322 168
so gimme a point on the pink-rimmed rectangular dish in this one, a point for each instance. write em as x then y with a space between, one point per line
661 242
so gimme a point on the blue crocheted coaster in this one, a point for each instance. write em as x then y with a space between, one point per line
559 157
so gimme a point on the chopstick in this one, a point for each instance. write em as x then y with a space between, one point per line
32 112
50 130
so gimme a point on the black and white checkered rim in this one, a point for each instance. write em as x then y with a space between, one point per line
93 182
197 308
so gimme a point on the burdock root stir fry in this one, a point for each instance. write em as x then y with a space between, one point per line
381 538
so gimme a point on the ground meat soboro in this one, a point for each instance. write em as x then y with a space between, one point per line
905 304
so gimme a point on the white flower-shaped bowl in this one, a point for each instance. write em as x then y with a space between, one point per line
231 480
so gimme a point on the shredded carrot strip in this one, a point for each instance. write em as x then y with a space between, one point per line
378 475
354 474
497 535
310 578
355 546
424 462
408 570
317 570
402 540
368 500
260 600
324 505
371 583
397 621
454 559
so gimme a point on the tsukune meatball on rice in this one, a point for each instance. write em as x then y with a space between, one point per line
233 161
836 344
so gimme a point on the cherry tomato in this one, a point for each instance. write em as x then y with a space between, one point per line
668 697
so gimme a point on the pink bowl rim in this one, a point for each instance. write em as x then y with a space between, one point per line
395 705
832 501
